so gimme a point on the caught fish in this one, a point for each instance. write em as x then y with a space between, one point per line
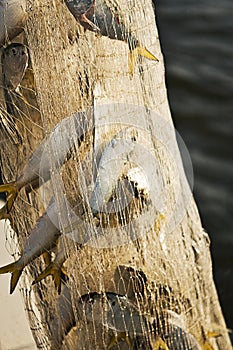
14 65
13 17
109 24
41 240
113 163
119 314
49 155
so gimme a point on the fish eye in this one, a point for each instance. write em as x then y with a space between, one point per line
90 301
14 51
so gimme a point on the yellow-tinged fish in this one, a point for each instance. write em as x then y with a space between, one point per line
49 155
99 17
42 239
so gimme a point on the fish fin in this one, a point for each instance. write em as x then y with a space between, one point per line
207 346
210 334
87 24
158 343
47 258
58 273
213 334
119 337
142 51
12 192
15 274
3 213
133 57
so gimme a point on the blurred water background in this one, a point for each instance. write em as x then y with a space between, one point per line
197 42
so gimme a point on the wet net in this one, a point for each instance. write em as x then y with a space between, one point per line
104 224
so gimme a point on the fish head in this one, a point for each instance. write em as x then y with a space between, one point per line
93 305
79 7
15 62
100 307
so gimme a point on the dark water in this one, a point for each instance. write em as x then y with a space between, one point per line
197 42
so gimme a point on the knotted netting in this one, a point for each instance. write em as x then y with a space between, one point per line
105 194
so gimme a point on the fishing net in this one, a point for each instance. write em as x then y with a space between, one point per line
145 243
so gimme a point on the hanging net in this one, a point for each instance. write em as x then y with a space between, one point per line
108 246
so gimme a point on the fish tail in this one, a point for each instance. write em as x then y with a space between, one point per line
211 334
135 53
142 51
119 337
15 274
58 274
12 192
158 343
207 346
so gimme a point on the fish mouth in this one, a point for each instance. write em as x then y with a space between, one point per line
89 298
87 301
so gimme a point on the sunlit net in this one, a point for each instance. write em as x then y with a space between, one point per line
145 244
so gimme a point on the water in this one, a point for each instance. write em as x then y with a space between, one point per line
197 42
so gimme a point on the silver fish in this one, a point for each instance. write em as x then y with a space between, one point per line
99 17
115 312
113 163
49 155
119 314
13 17
42 239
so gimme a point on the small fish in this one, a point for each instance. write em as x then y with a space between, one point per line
14 65
111 26
115 312
49 155
112 165
13 17
42 239
119 314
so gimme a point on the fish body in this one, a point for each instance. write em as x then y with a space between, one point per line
102 19
111 26
42 239
53 150
115 312
177 338
112 165
48 156
13 17
14 65
119 314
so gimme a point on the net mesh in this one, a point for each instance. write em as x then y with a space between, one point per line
147 245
